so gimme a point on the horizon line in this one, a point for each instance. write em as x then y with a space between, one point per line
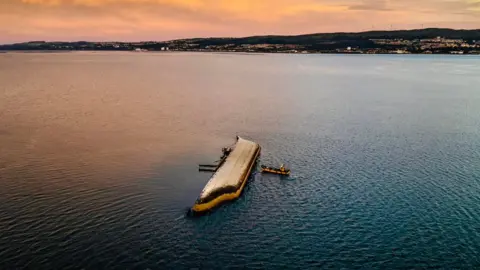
239 37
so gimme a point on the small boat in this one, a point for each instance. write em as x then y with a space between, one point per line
282 170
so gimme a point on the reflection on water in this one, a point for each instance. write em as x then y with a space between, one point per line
99 151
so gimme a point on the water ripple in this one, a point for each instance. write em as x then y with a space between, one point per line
97 176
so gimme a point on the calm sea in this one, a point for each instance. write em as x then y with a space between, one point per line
99 154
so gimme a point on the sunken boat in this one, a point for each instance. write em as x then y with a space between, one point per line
230 178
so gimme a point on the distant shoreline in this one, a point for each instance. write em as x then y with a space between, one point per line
420 41
227 52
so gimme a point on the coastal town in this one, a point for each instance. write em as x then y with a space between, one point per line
389 42
438 45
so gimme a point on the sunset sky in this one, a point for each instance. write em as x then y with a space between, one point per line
136 20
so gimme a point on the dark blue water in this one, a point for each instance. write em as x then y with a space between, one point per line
99 154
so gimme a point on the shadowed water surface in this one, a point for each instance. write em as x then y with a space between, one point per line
99 154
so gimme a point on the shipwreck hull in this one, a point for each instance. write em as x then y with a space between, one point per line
228 182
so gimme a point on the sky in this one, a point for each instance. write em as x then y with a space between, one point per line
145 20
